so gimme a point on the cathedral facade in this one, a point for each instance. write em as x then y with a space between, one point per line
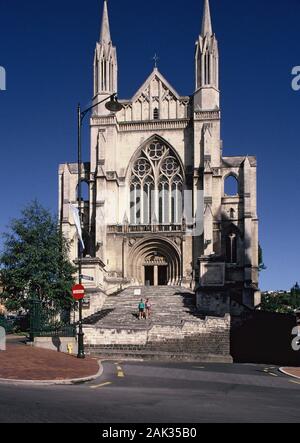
163 205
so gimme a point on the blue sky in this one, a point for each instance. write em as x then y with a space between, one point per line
47 50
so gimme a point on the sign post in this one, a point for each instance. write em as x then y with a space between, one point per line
78 293
87 278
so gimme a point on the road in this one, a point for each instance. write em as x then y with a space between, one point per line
155 392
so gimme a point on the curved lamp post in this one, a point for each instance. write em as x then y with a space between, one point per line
113 106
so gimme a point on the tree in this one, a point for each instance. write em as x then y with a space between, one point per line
35 262
282 302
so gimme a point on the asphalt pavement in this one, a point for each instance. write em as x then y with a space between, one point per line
155 392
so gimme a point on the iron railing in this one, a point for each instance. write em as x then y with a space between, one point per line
144 228
47 321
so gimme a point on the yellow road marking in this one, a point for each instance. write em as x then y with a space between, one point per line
294 381
101 385
267 371
120 372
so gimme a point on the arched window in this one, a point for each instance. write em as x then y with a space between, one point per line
232 213
156 186
156 114
231 248
85 191
231 186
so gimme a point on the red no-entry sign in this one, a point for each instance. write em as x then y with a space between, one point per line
78 292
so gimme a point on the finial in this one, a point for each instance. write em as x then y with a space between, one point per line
206 23
105 28
156 59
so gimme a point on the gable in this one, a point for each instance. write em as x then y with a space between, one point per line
156 99
156 85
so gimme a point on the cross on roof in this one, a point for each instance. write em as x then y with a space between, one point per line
155 58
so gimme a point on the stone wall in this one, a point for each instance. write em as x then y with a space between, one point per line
96 302
210 336
59 344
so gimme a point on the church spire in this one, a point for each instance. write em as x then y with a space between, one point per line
207 95
206 21
105 64
105 29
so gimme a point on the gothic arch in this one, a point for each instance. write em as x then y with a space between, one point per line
153 138
235 177
85 190
156 180
161 248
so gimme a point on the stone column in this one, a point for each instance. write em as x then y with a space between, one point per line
144 276
208 192
155 275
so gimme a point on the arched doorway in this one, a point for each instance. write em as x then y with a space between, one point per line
156 270
155 261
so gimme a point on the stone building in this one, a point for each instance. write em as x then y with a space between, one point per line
164 205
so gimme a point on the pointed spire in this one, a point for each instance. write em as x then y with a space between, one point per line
206 23
105 29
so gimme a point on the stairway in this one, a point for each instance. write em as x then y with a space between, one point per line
175 330
170 305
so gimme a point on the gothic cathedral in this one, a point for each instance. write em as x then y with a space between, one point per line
163 206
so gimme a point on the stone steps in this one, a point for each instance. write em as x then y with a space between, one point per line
175 331
170 305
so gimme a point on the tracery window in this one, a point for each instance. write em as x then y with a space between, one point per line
156 186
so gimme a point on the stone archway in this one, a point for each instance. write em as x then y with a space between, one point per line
155 260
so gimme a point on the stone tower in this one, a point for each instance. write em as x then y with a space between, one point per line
105 64
157 210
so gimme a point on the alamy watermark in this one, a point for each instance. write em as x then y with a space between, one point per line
296 340
2 79
296 79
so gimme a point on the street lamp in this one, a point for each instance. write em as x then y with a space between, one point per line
113 106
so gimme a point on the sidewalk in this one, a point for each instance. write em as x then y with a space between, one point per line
292 372
22 362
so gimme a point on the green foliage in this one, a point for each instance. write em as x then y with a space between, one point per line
34 262
284 303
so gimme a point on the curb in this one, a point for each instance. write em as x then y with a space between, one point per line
72 381
288 374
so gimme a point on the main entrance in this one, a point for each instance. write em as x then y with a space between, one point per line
156 275
155 262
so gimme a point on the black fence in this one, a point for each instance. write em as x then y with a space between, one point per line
48 321
7 325
264 337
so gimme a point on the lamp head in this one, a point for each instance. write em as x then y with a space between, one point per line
113 105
